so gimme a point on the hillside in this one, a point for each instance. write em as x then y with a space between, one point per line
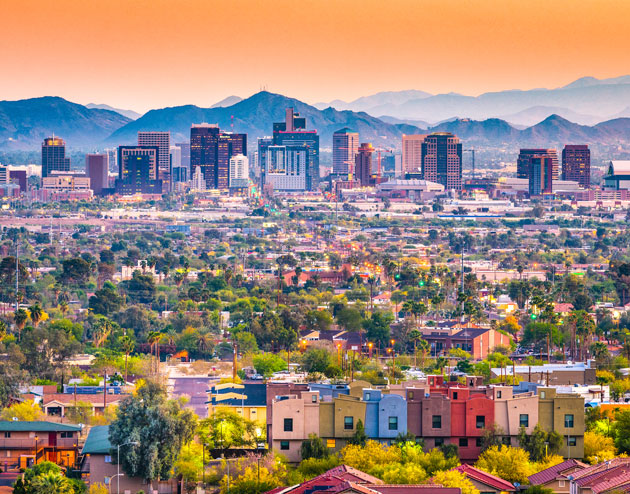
25 123
255 116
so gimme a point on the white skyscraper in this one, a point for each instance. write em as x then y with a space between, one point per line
198 182
239 171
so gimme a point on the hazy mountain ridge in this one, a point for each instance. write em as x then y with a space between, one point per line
25 123
132 115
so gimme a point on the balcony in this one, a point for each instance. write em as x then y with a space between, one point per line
28 443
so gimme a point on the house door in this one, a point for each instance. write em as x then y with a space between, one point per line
52 439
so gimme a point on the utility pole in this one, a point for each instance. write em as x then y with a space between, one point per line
17 275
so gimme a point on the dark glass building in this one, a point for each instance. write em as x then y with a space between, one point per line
211 150
442 160
540 175
522 163
138 170
576 164
54 156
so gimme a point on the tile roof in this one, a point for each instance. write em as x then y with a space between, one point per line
36 426
485 478
551 473
94 399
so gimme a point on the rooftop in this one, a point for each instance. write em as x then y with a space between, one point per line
36 426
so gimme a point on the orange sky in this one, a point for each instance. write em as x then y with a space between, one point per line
141 54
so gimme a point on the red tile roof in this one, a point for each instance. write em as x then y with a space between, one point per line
485 478
551 473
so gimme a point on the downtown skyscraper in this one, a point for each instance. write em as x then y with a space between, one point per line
345 148
211 150
54 156
576 164
442 160
412 153
524 156
161 140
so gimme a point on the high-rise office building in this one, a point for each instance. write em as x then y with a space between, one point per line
300 147
239 171
96 168
211 150
540 174
522 163
576 164
363 164
179 173
54 156
185 149
161 140
138 170
198 183
442 160
112 156
345 148
412 153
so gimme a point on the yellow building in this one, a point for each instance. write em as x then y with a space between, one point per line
248 400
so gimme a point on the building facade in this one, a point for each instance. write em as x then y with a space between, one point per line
138 170
442 160
540 175
523 161
97 169
345 147
576 164
161 140
54 156
412 153
363 164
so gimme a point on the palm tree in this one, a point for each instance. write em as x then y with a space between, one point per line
203 343
36 314
127 345
154 338
52 483
20 317
64 308
170 336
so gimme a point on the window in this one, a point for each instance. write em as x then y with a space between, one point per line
330 443
560 483
393 423
568 420
543 395
410 395
288 425
507 440
7 435
348 423
463 442
478 442
367 396
454 395
314 398
523 420
481 421
284 445
437 422
67 435
108 459
253 411
571 441
439 441
499 394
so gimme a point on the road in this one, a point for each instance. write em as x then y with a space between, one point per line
195 388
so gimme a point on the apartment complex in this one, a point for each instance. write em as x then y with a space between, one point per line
439 412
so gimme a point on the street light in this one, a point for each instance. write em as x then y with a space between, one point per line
118 474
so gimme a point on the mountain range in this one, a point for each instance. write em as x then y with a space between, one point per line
586 101
24 123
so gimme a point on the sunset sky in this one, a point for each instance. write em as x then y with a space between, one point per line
143 54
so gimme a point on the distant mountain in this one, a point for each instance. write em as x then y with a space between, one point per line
371 104
255 116
592 81
535 114
416 123
229 101
127 113
25 123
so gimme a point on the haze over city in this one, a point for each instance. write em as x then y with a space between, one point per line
150 54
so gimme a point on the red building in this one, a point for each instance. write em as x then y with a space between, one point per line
576 164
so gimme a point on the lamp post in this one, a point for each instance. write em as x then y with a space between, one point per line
370 346
118 474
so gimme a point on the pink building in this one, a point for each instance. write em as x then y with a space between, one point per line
294 418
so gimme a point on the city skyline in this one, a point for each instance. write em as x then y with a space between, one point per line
490 47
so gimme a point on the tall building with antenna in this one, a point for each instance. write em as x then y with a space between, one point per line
54 156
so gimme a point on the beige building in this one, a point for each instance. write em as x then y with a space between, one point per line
295 417
511 412
412 153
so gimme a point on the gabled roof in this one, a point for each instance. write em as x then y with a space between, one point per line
485 478
36 426
551 473
97 442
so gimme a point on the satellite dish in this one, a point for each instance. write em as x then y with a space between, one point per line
15 419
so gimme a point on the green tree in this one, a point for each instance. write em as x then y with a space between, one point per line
159 427
359 438
621 430
539 443
377 327
268 363
316 360
313 447
225 429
